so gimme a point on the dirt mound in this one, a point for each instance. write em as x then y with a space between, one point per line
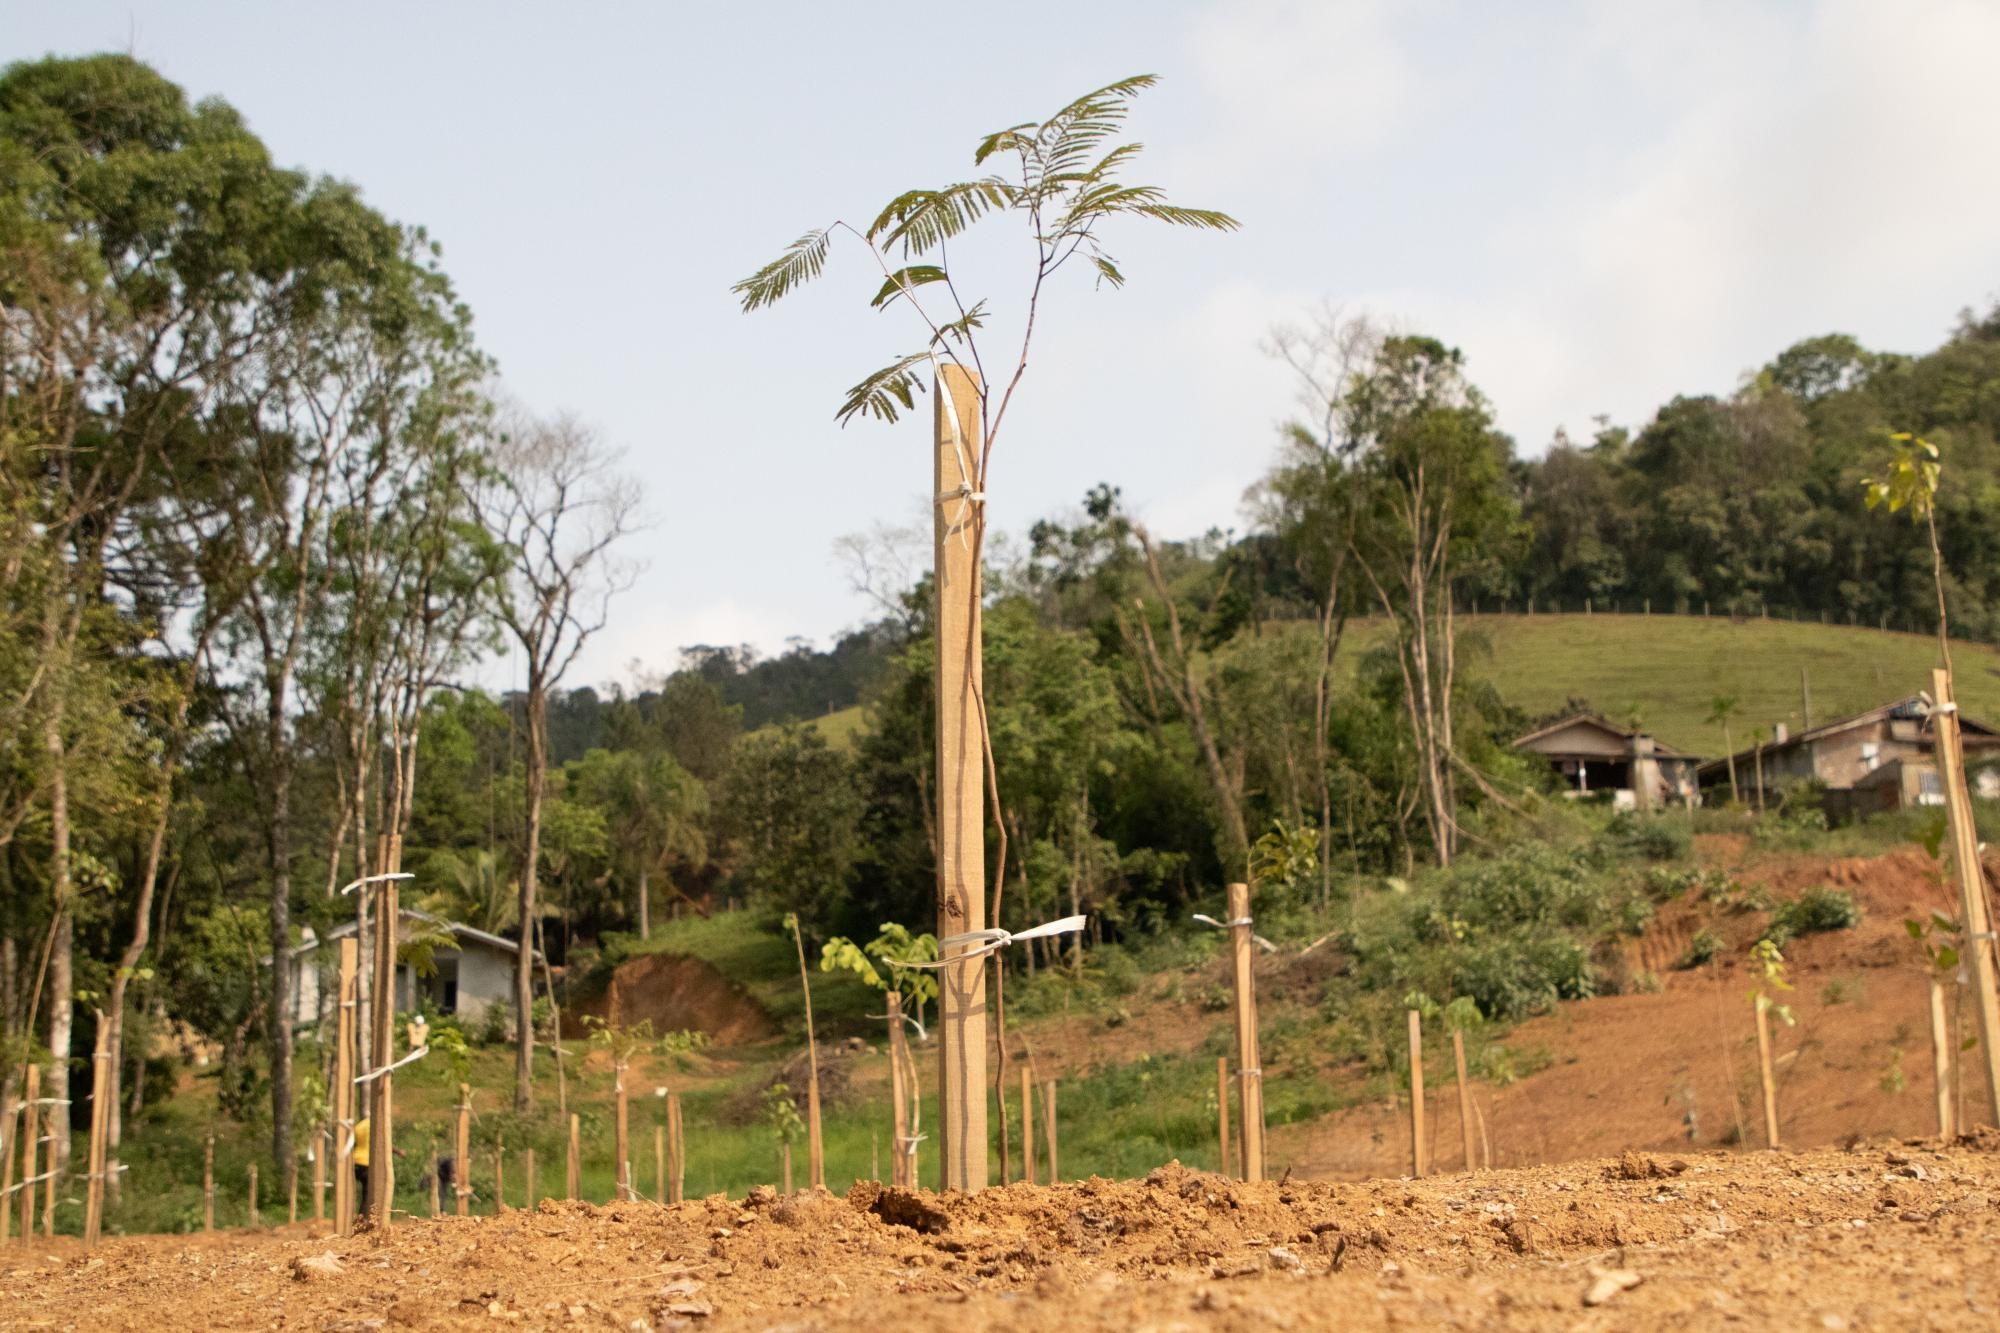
1892 1235
675 992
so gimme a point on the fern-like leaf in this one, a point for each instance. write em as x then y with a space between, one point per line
1107 271
886 394
922 219
801 263
905 281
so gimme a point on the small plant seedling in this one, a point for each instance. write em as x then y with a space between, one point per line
1768 963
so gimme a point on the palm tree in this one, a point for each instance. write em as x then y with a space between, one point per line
1720 709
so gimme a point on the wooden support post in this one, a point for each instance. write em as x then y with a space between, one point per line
1419 1158
1978 939
1049 1126
1464 1099
534 1201
1249 1065
292 1193
253 1196
899 1110
1941 1061
100 1079
676 1150
621 1148
961 774
321 1144
1222 1110
659 1163
437 1206
382 1112
461 1176
875 1156
344 1202
9 1136
54 1121
785 1162
208 1185
573 1181
500 1178
31 1092
815 1145
1027 1126
1769 1079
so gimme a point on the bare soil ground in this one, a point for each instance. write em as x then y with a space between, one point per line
1883 1235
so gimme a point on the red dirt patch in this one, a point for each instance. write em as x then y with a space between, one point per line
674 993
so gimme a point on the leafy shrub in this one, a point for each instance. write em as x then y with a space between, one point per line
1651 837
1702 949
1524 973
1815 910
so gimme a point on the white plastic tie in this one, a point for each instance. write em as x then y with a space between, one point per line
1262 943
372 1074
992 941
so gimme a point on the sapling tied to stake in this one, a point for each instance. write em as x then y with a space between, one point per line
1059 181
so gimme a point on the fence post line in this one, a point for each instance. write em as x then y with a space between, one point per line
1464 1098
1941 1061
461 1179
1027 1125
1249 1067
1049 1126
1419 1159
1222 1111
1769 1080
574 1179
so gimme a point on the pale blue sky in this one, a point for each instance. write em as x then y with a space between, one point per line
1602 204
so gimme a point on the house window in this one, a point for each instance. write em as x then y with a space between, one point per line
1871 755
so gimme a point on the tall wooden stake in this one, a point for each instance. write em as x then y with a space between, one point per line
319 1176
1027 1126
573 1182
676 1150
9 1136
1769 1079
785 1161
1419 1158
1979 946
1941 1054
1222 1110
899 1110
292 1193
1464 1099
1249 1065
461 1178
961 779
253 1194
659 1163
1049 1126
534 1200
815 1148
208 1185
31 1093
500 1178
621 1148
344 1202
437 1207
382 1118
100 1079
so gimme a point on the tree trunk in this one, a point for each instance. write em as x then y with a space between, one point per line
524 977
142 929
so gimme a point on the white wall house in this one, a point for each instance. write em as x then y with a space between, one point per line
472 977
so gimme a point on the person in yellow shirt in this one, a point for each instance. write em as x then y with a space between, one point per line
361 1130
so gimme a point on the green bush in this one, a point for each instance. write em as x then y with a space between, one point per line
1702 949
1815 910
1651 837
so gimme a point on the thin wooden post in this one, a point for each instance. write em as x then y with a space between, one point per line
208 1185
382 1117
1978 941
1249 1066
899 1111
621 1137
437 1205
1049 1127
785 1159
292 1192
1419 1159
1027 1126
344 1202
533 1200
1464 1099
574 1180
31 1116
1941 1060
461 1176
253 1195
1769 1079
676 1150
500 1178
875 1156
100 1078
659 1163
319 1176
815 1145
1222 1110
9 1136
961 804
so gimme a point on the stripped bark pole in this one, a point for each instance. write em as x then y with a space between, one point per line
1222 1110
1027 1126
100 1080
573 1181
875 1156
815 1145
9 1136
500 1178
1419 1159
1768 1078
319 1175
621 1148
437 1206
253 1195
31 1092
676 1150
1049 1126
344 1202
1978 940
659 1163
961 778
1941 1053
461 1179
1249 1065
899 1112
208 1185
292 1193
785 1162
382 1127
1464 1099
533 1201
